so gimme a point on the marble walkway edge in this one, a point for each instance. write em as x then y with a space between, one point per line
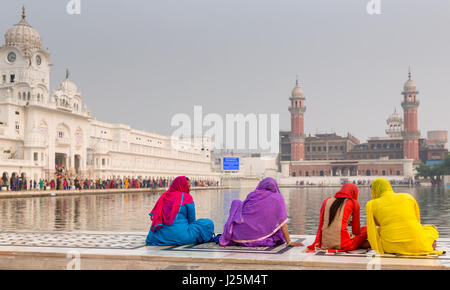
127 250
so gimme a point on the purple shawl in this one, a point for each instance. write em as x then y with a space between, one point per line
261 215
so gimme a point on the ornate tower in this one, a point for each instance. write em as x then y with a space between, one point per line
395 125
25 66
411 132
297 110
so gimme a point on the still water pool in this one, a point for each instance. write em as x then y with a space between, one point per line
129 212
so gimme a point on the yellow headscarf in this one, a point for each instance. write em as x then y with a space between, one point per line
383 196
379 187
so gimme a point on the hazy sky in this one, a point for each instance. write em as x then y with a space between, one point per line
141 62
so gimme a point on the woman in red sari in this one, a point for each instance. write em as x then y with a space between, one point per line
335 214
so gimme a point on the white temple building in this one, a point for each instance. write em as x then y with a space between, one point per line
42 129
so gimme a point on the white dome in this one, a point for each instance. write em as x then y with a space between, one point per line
395 117
68 87
395 125
23 37
410 86
297 92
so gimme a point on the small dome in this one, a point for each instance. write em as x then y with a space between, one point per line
297 92
410 86
395 117
68 86
23 37
395 125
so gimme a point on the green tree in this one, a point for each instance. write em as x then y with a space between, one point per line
435 172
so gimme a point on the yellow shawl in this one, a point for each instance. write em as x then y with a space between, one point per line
393 223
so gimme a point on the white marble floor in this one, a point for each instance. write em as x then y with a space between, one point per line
112 250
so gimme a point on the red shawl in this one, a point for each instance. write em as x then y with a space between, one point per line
168 205
350 191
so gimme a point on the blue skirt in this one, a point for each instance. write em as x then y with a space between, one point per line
184 230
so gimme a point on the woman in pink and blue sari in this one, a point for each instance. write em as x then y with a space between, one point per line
173 218
260 220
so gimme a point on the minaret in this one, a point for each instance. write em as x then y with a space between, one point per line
411 132
297 110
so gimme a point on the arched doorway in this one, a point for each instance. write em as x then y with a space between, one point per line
60 162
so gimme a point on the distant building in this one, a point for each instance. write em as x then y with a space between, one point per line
329 146
434 147
331 155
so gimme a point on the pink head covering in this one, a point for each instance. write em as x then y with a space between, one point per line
168 205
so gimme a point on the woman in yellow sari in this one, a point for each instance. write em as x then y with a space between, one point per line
393 223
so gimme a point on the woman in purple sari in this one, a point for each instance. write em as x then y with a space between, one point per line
260 220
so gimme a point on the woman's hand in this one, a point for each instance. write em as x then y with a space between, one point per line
295 244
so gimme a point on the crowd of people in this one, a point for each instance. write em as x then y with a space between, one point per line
393 221
61 182
406 181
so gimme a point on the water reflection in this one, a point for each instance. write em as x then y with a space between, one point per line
129 212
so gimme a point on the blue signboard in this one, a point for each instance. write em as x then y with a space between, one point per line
231 163
433 163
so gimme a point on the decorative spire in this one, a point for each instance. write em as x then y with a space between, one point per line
296 80
23 12
67 74
409 72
